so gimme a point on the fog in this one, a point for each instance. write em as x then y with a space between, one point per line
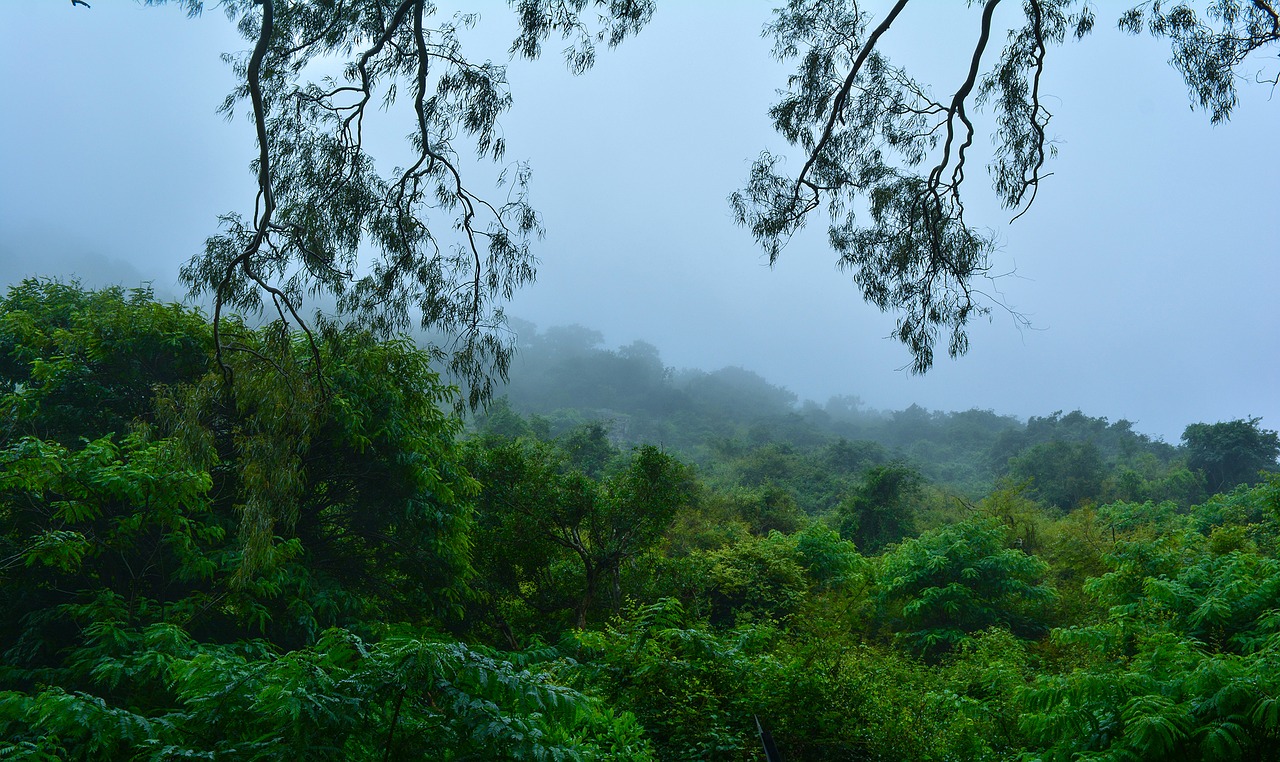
1146 266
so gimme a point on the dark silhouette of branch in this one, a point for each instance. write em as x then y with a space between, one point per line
263 214
837 110
265 196
957 110
1033 182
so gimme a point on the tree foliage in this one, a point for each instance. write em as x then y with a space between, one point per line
249 571
342 698
882 155
1231 452
541 511
236 542
879 510
691 687
319 567
391 244
887 161
939 588
1183 666
1061 474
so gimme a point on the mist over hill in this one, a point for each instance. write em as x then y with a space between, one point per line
746 431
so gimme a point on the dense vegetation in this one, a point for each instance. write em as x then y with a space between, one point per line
293 549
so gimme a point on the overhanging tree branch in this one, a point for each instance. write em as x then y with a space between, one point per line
838 106
865 126
415 247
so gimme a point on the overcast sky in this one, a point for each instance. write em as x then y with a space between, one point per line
1148 266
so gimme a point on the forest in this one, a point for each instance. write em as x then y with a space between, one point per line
337 504
613 560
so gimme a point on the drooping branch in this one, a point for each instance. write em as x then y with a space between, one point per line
1032 180
265 207
957 111
1208 51
417 241
916 254
266 199
838 106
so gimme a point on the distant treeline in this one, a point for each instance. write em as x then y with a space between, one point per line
744 431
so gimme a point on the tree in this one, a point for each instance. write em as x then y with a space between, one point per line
766 509
1062 474
879 511
80 364
588 448
754 578
320 204
1230 452
537 501
692 690
888 162
1184 663
938 588
279 506
242 575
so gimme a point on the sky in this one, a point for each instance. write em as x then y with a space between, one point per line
1147 266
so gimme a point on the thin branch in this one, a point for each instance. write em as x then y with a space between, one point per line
460 193
838 104
1037 27
254 78
958 110
362 66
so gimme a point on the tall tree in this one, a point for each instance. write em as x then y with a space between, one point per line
1231 452
348 504
879 510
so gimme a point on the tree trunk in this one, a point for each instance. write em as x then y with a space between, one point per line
589 595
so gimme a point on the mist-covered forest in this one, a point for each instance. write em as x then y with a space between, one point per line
336 503
614 560
744 431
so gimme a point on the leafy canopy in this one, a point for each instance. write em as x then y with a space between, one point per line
1231 452
190 570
